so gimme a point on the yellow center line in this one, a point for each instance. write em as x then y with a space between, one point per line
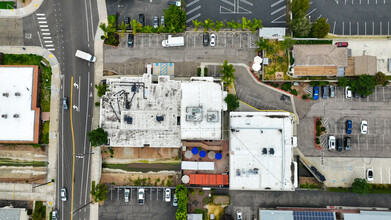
73 143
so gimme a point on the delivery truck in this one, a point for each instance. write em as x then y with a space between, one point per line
174 42
85 56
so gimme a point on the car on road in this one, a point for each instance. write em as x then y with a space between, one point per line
162 21
54 215
364 127
332 91
63 194
325 90
205 39
213 40
177 3
155 21
370 174
167 196
331 142
339 144
239 215
141 19
65 103
130 40
316 93
141 196
127 192
348 143
348 92
175 200
342 44
127 21
348 126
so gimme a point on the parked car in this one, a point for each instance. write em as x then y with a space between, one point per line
141 19
162 21
127 193
370 174
54 215
130 40
239 215
177 3
213 40
63 194
127 21
348 92
325 90
363 96
155 21
167 196
364 127
175 200
331 142
316 93
356 95
339 144
332 91
141 196
349 127
205 39
342 44
348 143
65 103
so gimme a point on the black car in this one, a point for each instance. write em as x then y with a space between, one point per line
141 19
348 143
339 144
127 22
205 39
325 91
356 95
130 40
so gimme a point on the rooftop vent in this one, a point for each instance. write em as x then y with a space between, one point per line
16 115
271 151
128 119
4 116
17 94
264 151
5 94
134 88
159 118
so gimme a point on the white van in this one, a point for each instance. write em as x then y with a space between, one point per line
85 56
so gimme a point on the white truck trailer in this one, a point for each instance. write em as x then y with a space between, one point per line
174 42
85 56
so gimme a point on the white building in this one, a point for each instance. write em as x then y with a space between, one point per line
138 113
19 122
261 151
201 109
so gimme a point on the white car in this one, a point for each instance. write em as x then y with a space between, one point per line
364 127
331 142
54 215
348 92
213 40
141 194
239 215
175 200
63 194
167 196
369 174
127 192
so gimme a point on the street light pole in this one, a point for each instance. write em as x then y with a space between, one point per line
73 212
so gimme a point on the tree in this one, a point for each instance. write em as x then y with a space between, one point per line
197 24
102 89
299 8
160 29
136 26
219 24
257 23
320 28
232 25
288 43
98 192
228 73
360 186
181 193
208 24
97 137
264 44
246 24
381 79
106 30
147 29
232 101
301 27
175 18
123 27
364 85
343 82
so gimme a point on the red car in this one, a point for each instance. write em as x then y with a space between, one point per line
342 44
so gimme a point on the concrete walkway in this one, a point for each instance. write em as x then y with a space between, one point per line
21 12
47 192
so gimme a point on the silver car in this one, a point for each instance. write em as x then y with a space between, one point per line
127 192
155 21
63 194
332 91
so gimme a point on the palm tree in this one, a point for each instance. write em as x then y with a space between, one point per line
219 24
147 29
105 29
136 26
256 25
208 24
123 27
263 44
197 24
245 23
288 43
228 73
98 192
172 29
160 29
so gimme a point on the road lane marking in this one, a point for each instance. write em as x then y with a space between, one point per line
49 45
43 26
85 141
47 37
51 49
88 34
373 28
48 41
44 30
365 28
350 28
73 144
39 37
45 33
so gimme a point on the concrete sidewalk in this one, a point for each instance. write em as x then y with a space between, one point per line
21 12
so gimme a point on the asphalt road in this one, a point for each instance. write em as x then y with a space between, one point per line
62 29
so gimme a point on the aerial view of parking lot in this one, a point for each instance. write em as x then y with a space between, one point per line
195 109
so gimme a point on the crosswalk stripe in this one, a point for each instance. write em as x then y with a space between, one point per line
41 18
40 14
45 33
48 41
44 29
50 45
51 49
43 26
47 37
42 22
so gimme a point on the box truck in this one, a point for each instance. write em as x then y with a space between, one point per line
174 42
85 56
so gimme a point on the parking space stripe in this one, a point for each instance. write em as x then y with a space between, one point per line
311 11
358 29
192 3
193 10
334 26
276 3
350 28
275 20
194 17
380 28
373 28
365 28
247 2
282 8
343 28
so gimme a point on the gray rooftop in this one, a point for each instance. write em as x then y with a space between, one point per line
9 213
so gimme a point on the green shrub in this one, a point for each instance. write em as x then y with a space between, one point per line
323 129
294 92
314 83
286 86
313 42
317 141
318 123
97 104
199 71
205 71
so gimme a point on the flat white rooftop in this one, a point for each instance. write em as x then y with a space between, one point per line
17 121
260 151
138 113
201 107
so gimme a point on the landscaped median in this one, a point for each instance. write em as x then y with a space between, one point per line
7 5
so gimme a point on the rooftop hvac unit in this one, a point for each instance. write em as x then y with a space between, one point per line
159 118
5 94
129 120
264 151
16 116
17 94
237 172
4 116
271 151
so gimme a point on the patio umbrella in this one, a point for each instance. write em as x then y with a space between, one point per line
211 155
188 154
185 179
218 156
194 150
257 59
202 153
